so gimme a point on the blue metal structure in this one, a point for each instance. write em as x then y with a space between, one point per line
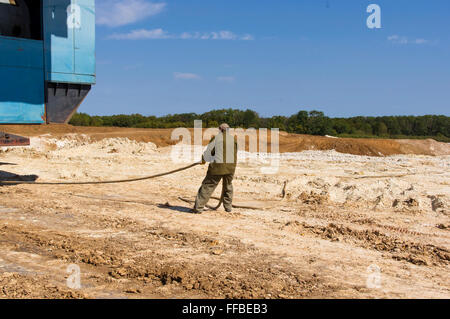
47 59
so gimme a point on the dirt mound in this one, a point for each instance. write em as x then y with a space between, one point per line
161 137
428 146
288 142
415 253
363 181
220 278
21 286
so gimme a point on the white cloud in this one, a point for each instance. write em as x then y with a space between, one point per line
161 34
186 36
247 37
224 35
228 79
220 35
421 41
141 34
186 76
405 40
115 13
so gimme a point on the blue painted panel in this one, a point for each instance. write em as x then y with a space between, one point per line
22 95
73 78
21 52
22 81
85 38
69 36
58 38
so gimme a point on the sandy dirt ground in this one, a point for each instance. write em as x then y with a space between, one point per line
348 226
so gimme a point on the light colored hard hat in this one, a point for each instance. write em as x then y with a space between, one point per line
223 127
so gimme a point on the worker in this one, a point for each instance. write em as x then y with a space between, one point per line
221 153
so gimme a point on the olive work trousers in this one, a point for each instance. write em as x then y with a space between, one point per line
209 184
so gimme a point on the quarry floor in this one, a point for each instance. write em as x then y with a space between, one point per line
349 226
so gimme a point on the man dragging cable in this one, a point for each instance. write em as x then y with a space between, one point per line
221 153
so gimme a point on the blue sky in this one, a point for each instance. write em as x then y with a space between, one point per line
275 57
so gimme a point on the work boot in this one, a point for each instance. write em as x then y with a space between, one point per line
196 211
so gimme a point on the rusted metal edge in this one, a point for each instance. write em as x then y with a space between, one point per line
13 140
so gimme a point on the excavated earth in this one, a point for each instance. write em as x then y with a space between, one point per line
336 218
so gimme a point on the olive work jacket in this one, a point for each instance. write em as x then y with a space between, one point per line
221 153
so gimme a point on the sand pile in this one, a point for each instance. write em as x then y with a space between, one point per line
399 183
83 145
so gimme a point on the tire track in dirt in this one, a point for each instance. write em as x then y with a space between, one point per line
234 275
412 252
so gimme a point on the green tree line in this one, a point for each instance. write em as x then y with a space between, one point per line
303 122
